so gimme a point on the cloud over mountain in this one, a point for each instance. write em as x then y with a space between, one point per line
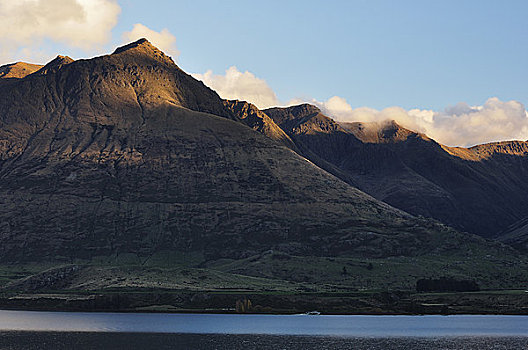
26 26
237 85
458 125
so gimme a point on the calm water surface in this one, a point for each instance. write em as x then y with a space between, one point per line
71 330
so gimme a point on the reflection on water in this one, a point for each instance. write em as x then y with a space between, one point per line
351 325
73 330
117 341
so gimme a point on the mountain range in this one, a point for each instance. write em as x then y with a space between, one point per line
127 155
481 190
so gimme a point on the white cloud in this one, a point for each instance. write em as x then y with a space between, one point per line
163 40
237 85
87 24
458 125
25 54
84 24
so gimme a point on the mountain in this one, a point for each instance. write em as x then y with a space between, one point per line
481 189
18 70
123 173
54 65
251 116
127 153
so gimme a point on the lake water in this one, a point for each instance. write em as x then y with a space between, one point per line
72 330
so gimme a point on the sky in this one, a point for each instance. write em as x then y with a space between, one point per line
455 70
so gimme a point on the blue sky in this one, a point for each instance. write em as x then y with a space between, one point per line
425 55
415 54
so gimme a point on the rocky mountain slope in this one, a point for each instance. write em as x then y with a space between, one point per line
123 178
251 116
18 70
516 235
480 190
54 65
126 153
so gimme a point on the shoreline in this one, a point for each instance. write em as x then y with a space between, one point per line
396 303
212 313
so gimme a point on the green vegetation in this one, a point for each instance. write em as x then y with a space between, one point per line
269 271
274 282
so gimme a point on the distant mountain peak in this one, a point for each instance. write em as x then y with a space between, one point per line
143 47
303 119
303 110
18 70
292 114
488 150
388 131
251 116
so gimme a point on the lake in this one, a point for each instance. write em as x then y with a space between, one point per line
66 330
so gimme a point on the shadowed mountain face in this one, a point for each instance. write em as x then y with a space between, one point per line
481 190
516 235
126 153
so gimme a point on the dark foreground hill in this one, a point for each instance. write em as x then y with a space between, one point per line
482 189
136 175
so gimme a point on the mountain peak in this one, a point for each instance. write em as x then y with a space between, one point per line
303 109
55 64
251 116
388 131
141 44
143 47
64 59
293 114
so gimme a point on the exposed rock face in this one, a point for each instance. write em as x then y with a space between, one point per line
127 153
259 121
481 190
